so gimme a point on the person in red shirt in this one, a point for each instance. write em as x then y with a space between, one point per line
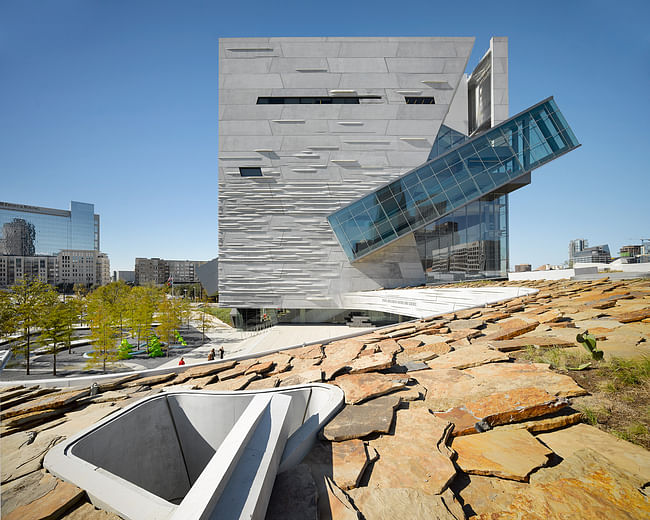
181 362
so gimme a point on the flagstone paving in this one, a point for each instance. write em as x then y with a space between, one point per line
439 420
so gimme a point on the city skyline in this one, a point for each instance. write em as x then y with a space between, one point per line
116 105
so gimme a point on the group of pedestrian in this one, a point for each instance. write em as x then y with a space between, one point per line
211 356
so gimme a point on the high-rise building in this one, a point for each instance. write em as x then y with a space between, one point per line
597 254
59 247
576 246
33 230
351 164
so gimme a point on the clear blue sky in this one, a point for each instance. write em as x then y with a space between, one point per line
115 103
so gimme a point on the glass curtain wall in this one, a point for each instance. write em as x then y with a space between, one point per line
469 243
481 165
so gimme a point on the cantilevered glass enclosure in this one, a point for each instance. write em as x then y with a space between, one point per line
492 161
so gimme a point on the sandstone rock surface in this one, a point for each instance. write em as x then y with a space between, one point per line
361 387
357 421
467 358
510 454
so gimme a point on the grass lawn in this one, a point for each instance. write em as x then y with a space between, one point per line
620 390
219 312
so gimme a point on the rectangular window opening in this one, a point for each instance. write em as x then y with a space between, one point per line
250 171
312 100
420 100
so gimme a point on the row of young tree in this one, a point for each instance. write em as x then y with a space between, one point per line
33 314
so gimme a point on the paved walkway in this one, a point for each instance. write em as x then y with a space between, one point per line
237 343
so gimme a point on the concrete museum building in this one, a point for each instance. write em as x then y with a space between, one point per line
352 164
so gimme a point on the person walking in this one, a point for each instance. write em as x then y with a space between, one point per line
211 355
221 352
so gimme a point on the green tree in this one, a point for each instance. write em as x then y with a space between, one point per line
169 317
53 323
73 309
7 315
81 291
27 301
116 296
142 303
205 321
101 317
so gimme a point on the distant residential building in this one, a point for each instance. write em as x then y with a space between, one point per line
124 276
158 271
596 254
34 230
14 268
521 268
69 267
576 246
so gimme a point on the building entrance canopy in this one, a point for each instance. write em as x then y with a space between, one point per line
480 165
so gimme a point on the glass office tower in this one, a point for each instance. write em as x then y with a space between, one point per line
33 230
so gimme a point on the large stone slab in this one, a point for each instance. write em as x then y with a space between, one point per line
83 418
52 505
520 343
344 462
357 421
406 503
239 369
151 380
464 324
361 387
335 504
263 383
501 408
49 402
629 317
294 496
509 454
425 352
338 357
518 375
625 455
307 352
562 418
204 370
584 485
467 358
416 456
232 384
295 377
410 342
25 490
512 327
371 363
390 347
22 453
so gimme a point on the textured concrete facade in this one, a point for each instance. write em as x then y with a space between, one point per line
276 248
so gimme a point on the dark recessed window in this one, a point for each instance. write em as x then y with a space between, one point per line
250 172
420 100
313 100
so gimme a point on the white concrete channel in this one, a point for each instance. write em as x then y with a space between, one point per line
185 455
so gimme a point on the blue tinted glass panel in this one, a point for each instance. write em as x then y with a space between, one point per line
472 169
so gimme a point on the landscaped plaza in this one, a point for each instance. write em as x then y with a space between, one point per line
514 417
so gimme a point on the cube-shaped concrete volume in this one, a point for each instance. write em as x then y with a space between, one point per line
195 454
